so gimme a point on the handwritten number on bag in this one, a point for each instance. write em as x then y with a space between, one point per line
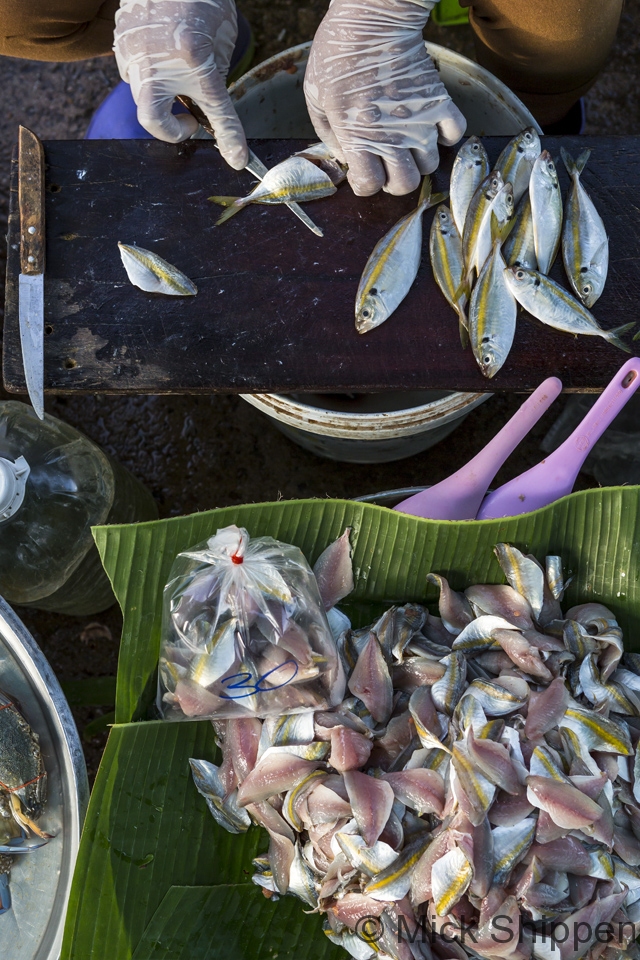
244 681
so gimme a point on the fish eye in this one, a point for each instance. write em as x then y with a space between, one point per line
475 146
587 288
520 274
366 313
443 215
487 359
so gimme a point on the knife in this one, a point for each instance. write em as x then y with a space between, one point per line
31 280
255 165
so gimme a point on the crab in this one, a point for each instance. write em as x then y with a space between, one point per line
23 779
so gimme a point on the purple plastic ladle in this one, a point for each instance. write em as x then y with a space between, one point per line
555 476
460 495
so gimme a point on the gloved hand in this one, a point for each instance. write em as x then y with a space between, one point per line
169 47
374 95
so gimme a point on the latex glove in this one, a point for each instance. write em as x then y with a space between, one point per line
374 95
169 47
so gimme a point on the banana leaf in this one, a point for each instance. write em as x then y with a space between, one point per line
155 876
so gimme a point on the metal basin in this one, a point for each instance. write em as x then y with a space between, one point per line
41 880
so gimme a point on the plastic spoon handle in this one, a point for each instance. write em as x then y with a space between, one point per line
555 476
460 495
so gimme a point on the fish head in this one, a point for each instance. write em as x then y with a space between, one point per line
590 283
371 311
547 169
473 152
528 144
493 185
519 279
491 356
444 220
505 205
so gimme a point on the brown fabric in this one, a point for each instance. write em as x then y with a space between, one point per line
548 52
56 29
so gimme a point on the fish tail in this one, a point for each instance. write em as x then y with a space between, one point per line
613 336
425 191
463 327
233 204
574 167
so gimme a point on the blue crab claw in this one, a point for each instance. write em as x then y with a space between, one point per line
5 894
21 845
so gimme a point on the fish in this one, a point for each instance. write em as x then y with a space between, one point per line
451 876
393 264
585 245
447 263
516 161
519 248
295 179
497 221
492 315
152 274
224 808
480 202
470 167
548 302
333 571
546 210
492 790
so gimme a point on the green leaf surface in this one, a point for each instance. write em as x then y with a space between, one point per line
147 829
215 923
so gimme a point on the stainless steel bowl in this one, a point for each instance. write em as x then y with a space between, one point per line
41 880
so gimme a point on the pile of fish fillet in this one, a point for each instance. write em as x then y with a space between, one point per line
476 793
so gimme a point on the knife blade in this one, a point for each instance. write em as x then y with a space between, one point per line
255 165
31 279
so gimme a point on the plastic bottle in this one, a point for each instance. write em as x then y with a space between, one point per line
55 484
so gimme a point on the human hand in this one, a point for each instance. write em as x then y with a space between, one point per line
374 95
166 48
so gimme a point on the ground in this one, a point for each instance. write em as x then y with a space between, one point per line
195 453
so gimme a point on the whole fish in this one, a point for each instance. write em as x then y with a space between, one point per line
519 248
295 179
481 200
497 217
392 267
554 306
492 315
151 273
470 168
516 161
546 209
447 262
585 245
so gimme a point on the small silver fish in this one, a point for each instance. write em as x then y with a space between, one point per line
498 217
153 274
295 179
450 879
392 267
554 306
516 161
585 245
447 262
470 168
546 210
519 248
481 200
492 315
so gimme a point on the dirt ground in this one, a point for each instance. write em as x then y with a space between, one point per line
195 453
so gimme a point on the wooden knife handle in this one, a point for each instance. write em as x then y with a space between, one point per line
31 201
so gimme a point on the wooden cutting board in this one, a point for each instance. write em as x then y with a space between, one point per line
275 307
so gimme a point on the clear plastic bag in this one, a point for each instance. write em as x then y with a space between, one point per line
245 633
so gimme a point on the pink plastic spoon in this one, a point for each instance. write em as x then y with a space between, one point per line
555 476
460 495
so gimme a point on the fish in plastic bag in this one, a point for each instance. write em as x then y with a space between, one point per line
245 633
